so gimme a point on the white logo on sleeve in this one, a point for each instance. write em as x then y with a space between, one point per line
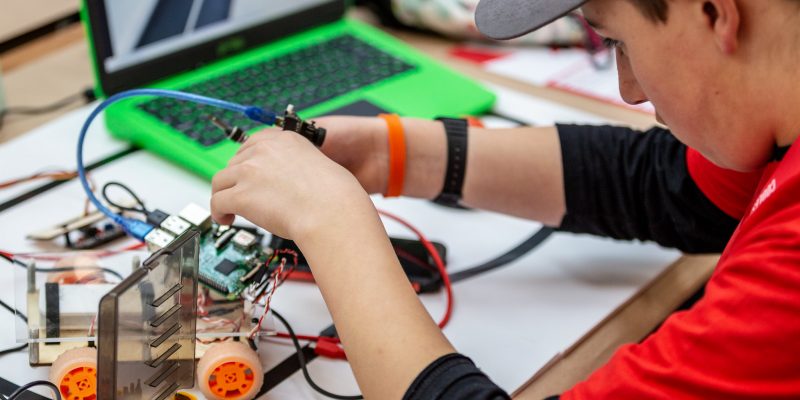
768 191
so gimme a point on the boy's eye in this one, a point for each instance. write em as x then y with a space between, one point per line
611 43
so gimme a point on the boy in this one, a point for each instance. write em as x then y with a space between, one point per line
722 75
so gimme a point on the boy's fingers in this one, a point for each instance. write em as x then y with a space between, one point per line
224 179
224 206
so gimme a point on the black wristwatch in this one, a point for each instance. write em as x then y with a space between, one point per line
456 130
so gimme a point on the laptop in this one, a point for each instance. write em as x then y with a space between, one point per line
269 53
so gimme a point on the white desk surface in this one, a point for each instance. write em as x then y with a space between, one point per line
510 321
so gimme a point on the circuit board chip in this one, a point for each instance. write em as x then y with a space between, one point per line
225 267
244 240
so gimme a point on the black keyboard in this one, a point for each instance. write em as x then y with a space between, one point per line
303 78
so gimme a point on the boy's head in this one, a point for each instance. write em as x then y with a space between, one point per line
720 73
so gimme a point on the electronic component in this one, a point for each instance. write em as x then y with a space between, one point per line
156 217
83 232
65 227
289 122
223 239
158 239
225 267
216 258
197 216
218 230
255 274
233 133
91 237
292 122
175 225
243 240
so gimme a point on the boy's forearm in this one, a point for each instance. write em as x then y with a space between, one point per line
384 328
426 158
514 171
517 172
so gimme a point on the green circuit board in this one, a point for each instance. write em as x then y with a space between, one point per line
225 260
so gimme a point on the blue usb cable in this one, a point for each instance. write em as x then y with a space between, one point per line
136 228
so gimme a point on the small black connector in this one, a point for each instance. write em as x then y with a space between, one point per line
309 130
233 133
156 217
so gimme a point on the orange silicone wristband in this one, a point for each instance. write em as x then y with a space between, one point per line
397 155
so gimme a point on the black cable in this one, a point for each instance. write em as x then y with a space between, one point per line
62 269
86 95
302 359
13 349
509 256
54 106
142 209
29 385
69 269
13 260
14 311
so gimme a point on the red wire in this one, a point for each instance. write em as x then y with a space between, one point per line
436 259
100 254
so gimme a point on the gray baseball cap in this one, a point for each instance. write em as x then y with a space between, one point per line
507 19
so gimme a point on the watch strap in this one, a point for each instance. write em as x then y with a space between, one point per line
456 132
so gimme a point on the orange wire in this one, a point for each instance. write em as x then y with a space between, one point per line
55 175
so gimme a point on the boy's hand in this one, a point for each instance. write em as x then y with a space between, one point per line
281 182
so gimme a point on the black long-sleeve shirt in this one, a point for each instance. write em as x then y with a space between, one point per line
618 183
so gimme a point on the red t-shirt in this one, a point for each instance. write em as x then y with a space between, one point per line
742 339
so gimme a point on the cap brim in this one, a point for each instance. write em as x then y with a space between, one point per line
507 19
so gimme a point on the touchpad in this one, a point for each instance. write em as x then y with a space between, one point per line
361 108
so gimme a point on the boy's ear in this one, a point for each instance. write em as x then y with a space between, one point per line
724 18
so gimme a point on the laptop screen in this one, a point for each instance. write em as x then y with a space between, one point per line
143 30
135 43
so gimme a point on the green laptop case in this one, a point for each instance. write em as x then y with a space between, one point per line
427 91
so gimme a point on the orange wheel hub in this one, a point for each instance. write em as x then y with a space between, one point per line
231 380
74 372
79 384
229 371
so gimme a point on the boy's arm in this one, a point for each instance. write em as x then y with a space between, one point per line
513 171
602 180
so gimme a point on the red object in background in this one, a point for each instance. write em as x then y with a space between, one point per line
477 55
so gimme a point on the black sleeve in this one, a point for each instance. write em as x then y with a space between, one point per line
626 184
453 377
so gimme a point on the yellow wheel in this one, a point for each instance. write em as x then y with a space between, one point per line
75 374
230 371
